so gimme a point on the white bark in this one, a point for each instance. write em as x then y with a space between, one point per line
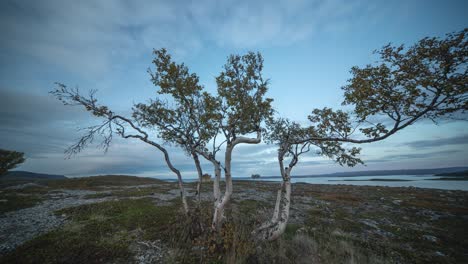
218 215
200 175
274 228
177 172
277 204
217 179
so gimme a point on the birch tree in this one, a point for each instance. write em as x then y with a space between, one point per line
188 118
425 81
111 125
244 108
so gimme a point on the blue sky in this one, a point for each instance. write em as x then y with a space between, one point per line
308 47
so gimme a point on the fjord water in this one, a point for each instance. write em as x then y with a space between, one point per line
421 181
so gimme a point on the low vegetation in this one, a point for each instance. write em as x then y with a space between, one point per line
12 201
98 233
329 224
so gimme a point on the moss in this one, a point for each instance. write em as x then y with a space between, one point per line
98 195
98 233
291 230
248 206
12 201
133 192
98 182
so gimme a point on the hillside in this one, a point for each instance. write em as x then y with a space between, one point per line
385 172
26 175
123 219
454 174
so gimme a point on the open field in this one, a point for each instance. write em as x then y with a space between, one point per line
115 219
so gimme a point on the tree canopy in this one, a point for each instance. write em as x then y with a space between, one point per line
427 80
10 159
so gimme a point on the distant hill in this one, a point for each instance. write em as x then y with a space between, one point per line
453 174
26 175
384 172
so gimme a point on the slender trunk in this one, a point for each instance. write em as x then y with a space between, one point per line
217 217
219 206
216 182
275 216
200 175
171 167
284 216
277 204
217 179
179 179
274 228
221 203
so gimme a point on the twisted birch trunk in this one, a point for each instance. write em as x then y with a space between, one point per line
200 175
219 206
177 172
276 226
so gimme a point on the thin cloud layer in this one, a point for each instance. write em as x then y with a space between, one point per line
431 143
107 45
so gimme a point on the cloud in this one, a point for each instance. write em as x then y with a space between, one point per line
43 128
92 38
431 143
36 124
410 156
246 24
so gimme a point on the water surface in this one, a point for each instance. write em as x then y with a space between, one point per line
421 181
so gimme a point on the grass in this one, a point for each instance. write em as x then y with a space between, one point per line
12 201
86 183
97 182
98 233
333 230
133 192
16 199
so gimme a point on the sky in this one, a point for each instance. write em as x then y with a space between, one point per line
308 49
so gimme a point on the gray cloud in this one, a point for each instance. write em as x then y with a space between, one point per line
36 124
92 38
409 156
43 128
440 142
251 23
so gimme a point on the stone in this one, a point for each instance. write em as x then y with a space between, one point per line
430 238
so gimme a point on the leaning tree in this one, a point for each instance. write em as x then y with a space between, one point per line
425 81
111 124
187 117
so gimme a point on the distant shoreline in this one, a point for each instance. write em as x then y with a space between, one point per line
375 180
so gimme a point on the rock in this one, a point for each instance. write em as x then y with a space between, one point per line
430 238
147 251
24 224
396 202
440 254
337 233
369 222
23 186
